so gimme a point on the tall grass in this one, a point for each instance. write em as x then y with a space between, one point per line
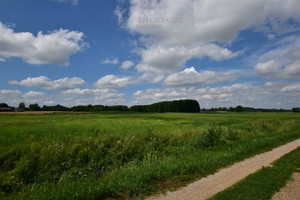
92 156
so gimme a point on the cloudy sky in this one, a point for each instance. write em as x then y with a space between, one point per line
219 52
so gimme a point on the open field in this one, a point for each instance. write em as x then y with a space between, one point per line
98 156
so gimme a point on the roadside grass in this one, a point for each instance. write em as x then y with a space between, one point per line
263 184
99 156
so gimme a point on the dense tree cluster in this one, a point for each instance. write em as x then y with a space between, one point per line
240 108
4 105
296 110
188 105
80 108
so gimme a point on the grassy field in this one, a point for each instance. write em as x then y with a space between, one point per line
127 155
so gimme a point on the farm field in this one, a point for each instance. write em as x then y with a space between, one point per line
127 155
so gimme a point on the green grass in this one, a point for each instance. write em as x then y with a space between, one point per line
59 156
264 183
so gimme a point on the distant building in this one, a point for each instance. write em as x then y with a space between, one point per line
19 110
7 109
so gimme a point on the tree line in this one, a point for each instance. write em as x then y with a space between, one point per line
186 105
165 106
240 108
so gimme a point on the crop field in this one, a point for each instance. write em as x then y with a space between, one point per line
127 155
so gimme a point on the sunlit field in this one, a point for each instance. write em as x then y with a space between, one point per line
127 155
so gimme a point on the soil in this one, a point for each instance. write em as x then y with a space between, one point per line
291 191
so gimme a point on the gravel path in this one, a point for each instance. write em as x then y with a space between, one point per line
212 184
291 191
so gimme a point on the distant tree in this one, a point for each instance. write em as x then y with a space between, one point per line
59 107
21 106
34 107
295 110
3 105
186 105
239 108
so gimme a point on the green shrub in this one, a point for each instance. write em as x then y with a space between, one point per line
212 136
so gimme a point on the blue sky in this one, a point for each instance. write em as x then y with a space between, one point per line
221 52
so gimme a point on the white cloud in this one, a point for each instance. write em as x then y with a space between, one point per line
127 64
184 22
175 31
151 78
190 77
119 12
271 36
45 83
282 61
114 82
49 102
11 97
73 2
291 88
6 93
108 61
2 60
53 48
92 96
275 69
269 95
33 94
169 59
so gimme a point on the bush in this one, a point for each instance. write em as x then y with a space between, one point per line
212 137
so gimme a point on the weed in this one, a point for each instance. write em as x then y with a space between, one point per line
212 137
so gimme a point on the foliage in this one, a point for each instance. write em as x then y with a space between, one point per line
34 107
187 105
21 106
212 137
3 105
240 108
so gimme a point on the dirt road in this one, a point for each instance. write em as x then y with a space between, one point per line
291 191
211 185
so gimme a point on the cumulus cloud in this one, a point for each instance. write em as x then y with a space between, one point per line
169 59
108 61
291 88
55 47
11 97
33 94
269 95
184 22
5 93
45 83
275 69
92 96
175 31
190 77
127 64
114 82
14 97
282 62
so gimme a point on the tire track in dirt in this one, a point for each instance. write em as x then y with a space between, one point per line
212 184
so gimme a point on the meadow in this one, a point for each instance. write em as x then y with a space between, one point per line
127 155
